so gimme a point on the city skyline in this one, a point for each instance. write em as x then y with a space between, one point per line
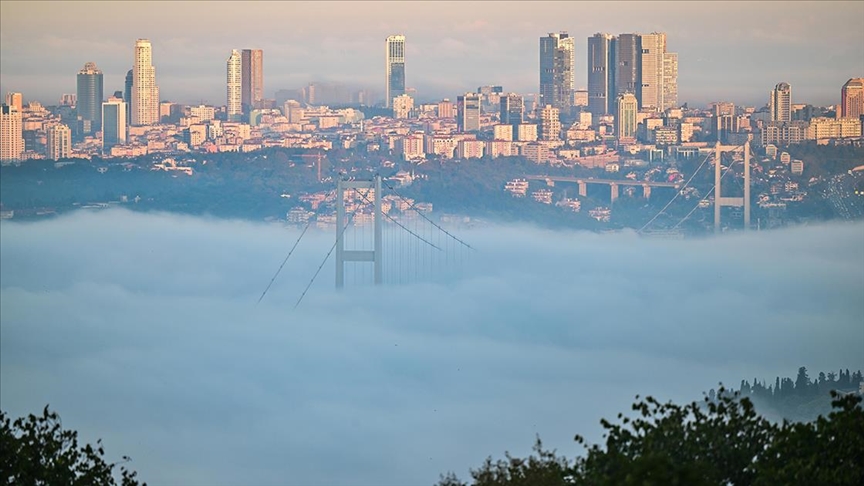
726 52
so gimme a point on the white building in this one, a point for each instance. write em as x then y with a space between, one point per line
145 93
59 142
234 101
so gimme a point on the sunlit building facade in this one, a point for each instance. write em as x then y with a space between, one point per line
395 68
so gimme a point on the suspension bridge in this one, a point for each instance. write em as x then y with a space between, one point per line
384 238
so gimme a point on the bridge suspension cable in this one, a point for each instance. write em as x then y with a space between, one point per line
710 191
424 240
341 232
412 206
678 193
308 223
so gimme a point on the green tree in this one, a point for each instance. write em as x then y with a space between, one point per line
35 450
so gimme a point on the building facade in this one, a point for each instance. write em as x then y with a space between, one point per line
113 123
601 74
512 109
557 70
395 68
670 80
59 138
468 112
550 123
652 71
780 103
89 98
234 96
852 99
625 117
145 93
11 134
251 79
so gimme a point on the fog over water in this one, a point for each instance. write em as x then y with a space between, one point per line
143 329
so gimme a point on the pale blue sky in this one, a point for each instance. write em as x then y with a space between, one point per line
727 50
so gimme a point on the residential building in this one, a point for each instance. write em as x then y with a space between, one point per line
780 103
89 98
11 133
234 96
470 149
403 105
59 138
502 132
395 68
251 79
446 109
526 132
16 101
670 80
550 124
557 71
145 93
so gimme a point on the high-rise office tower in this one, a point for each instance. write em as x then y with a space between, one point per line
234 105
550 123
145 93
652 70
557 71
127 97
780 103
113 123
252 79
90 96
11 133
512 109
15 100
601 74
852 99
628 57
670 80
394 51
468 112
625 117
59 138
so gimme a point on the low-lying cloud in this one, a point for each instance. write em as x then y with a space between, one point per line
143 329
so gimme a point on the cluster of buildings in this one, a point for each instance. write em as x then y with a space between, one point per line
630 108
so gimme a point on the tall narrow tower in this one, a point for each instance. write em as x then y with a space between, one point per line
628 57
90 95
780 103
233 106
252 79
11 133
601 74
625 117
395 65
652 68
145 93
557 71
670 80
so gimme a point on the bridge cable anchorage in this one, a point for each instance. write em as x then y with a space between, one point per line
308 223
677 193
342 232
710 191
412 206
424 240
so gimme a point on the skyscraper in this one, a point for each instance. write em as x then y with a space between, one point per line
90 96
557 71
11 134
625 117
127 97
233 105
670 80
512 109
852 99
652 70
59 142
113 123
628 57
395 60
780 103
145 93
468 112
252 79
601 74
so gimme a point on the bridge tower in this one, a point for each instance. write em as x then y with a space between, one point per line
343 255
719 200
